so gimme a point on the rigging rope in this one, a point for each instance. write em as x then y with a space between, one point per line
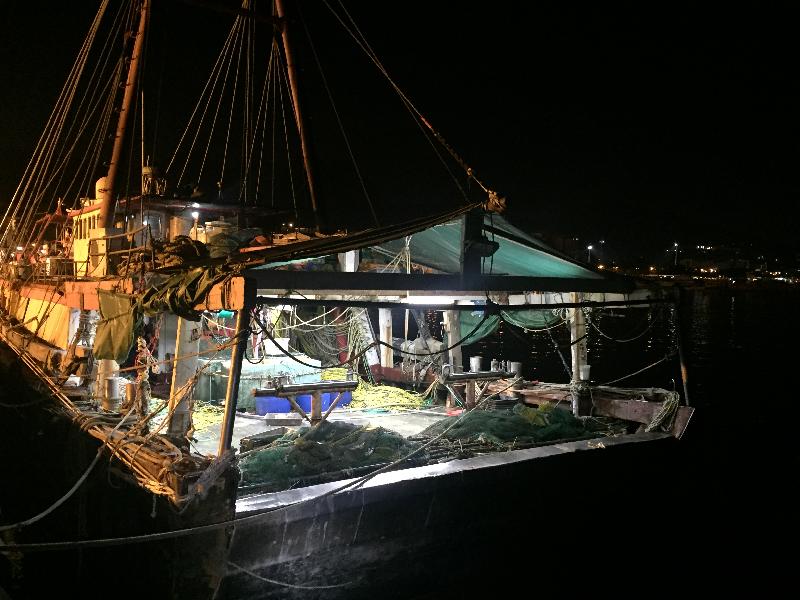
360 39
339 121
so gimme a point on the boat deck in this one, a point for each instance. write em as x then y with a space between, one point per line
406 423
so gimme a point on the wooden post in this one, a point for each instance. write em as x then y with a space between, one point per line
577 334
184 367
316 407
237 354
385 335
452 325
304 147
106 216
470 393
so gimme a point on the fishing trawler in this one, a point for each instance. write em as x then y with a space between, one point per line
172 325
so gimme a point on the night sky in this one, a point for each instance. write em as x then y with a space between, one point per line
639 125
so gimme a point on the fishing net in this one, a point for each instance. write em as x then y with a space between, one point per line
521 425
369 395
327 452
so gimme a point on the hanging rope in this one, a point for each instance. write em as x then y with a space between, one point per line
494 202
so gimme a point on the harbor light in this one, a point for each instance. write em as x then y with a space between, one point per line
589 249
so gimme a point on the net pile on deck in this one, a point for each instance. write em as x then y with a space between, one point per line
327 452
507 429
369 395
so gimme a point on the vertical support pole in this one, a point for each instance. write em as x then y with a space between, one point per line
577 335
348 263
470 393
471 230
187 343
237 354
452 324
678 336
581 402
453 328
385 325
316 408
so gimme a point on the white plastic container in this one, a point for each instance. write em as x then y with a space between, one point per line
584 372
515 367
475 363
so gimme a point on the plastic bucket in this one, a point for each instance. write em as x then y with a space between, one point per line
272 404
475 363
584 372
515 367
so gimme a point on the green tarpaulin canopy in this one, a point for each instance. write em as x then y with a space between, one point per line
526 319
439 247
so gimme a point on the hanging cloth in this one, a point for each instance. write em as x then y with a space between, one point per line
113 339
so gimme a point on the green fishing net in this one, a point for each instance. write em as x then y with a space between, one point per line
326 452
522 425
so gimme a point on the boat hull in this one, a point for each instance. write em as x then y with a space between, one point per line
434 529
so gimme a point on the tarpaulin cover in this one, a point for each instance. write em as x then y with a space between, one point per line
180 293
519 254
526 319
113 339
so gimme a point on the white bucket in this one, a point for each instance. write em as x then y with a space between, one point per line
515 367
475 363
584 372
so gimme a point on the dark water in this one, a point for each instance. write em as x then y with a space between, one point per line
729 505
741 453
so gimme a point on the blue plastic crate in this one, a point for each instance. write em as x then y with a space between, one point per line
328 397
272 404
304 402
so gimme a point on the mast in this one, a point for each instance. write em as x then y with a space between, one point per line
107 191
296 101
